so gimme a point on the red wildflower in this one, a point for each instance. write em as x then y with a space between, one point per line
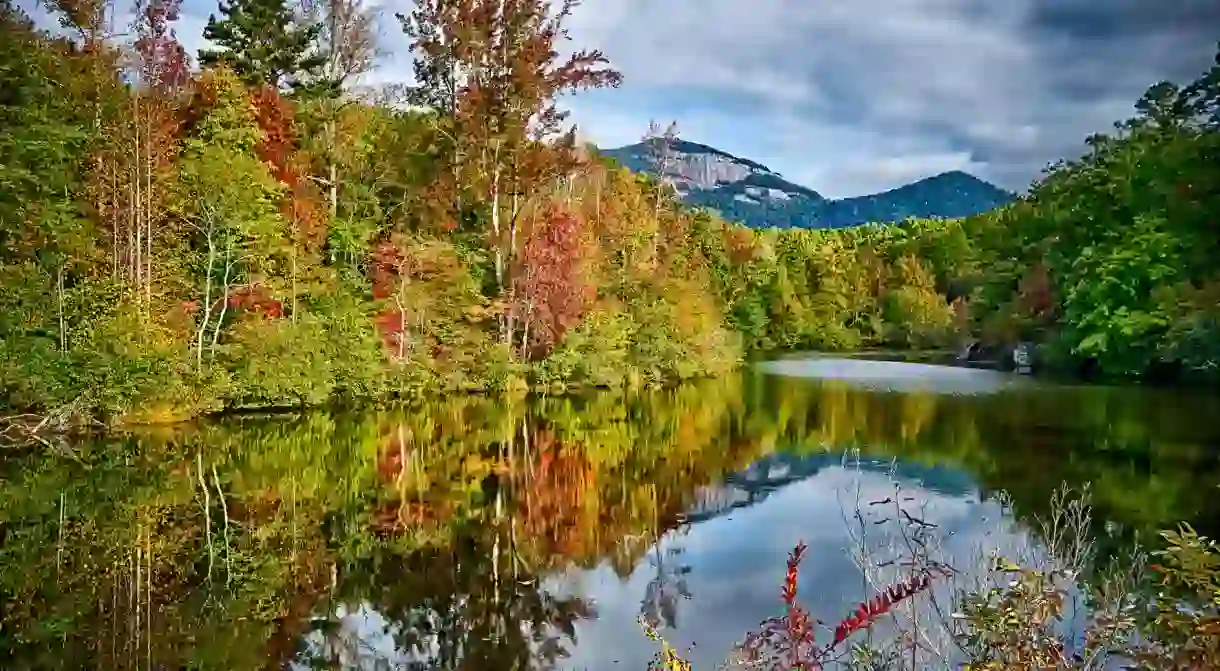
788 592
787 642
868 612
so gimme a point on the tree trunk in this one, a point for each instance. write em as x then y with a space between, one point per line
224 305
294 275
63 323
148 219
495 218
207 300
334 191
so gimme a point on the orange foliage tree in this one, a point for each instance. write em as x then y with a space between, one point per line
302 205
492 71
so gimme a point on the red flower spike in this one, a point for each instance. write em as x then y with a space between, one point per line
867 613
788 591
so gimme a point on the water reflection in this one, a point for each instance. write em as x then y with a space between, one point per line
475 533
905 376
735 566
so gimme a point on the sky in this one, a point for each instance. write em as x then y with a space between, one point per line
851 97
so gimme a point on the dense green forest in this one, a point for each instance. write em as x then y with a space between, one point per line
255 234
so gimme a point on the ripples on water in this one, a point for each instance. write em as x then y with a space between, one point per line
474 533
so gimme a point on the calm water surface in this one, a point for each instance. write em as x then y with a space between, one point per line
475 533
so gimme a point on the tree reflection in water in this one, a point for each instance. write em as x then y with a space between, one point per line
423 537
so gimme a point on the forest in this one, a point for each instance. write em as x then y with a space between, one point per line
258 232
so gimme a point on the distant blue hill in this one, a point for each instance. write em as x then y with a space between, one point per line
751 193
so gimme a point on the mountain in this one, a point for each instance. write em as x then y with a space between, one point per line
749 192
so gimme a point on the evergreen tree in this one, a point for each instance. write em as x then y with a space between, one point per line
264 43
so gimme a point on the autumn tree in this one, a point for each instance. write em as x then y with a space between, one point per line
659 146
492 70
551 294
131 174
88 18
265 43
52 99
347 41
227 196
161 61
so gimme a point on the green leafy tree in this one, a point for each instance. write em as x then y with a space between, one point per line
264 43
227 196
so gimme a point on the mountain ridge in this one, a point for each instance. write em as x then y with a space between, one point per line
751 193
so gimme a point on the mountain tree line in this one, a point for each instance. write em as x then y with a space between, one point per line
258 232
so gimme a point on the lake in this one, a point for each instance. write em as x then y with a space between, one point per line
477 533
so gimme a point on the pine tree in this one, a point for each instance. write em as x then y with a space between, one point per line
264 43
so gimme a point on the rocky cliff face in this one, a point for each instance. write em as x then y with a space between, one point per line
692 166
749 192
706 170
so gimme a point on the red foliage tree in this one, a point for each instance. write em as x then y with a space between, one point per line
256 300
399 513
553 493
549 291
275 120
1035 295
130 173
394 264
389 266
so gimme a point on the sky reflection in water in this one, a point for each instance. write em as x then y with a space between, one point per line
736 562
334 535
737 565
724 569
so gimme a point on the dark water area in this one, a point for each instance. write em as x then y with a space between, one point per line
477 533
